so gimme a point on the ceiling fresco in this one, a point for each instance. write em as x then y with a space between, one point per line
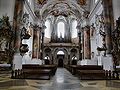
61 7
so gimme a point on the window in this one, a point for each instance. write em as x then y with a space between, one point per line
74 30
74 58
47 57
29 2
47 30
60 29
96 1
60 53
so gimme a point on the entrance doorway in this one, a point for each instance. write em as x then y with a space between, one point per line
60 62
60 58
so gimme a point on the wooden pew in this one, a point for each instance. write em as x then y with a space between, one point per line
88 71
36 73
74 68
91 74
38 70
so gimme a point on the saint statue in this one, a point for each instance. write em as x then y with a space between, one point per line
3 44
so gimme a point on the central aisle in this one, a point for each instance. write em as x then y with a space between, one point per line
63 80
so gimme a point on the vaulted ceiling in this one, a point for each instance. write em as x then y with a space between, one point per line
44 8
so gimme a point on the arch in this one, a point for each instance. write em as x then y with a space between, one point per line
56 50
74 54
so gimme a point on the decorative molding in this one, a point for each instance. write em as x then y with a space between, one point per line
32 14
116 43
97 5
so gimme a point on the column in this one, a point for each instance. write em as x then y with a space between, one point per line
82 42
18 11
87 47
42 44
35 41
80 46
109 22
39 52
42 28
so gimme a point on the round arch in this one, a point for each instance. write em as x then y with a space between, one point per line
56 50
47 53
74 54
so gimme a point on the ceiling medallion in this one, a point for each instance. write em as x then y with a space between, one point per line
82 2
57 13
41 2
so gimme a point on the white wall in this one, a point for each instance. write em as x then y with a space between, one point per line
96 40
27 60
116 9
7 8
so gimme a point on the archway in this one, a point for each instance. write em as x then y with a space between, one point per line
47 60
47 55
74 60
74 56
60 56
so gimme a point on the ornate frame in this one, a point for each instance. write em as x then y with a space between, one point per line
6 37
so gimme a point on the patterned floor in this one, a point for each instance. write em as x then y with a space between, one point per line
63 80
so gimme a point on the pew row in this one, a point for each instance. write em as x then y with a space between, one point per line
39 70
88 71
35 71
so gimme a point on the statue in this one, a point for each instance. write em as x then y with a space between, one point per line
100 26
3 43
24 34
4 23
116 43
82 2
6 37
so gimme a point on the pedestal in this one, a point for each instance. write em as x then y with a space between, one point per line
107 62
17 61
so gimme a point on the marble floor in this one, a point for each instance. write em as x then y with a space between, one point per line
63 80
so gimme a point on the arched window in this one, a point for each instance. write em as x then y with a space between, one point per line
60 53
29 2
74 58
74 30
47 30
60 29
47 57
96 1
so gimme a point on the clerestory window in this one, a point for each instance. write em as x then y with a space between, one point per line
60 29
74 30
48 29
